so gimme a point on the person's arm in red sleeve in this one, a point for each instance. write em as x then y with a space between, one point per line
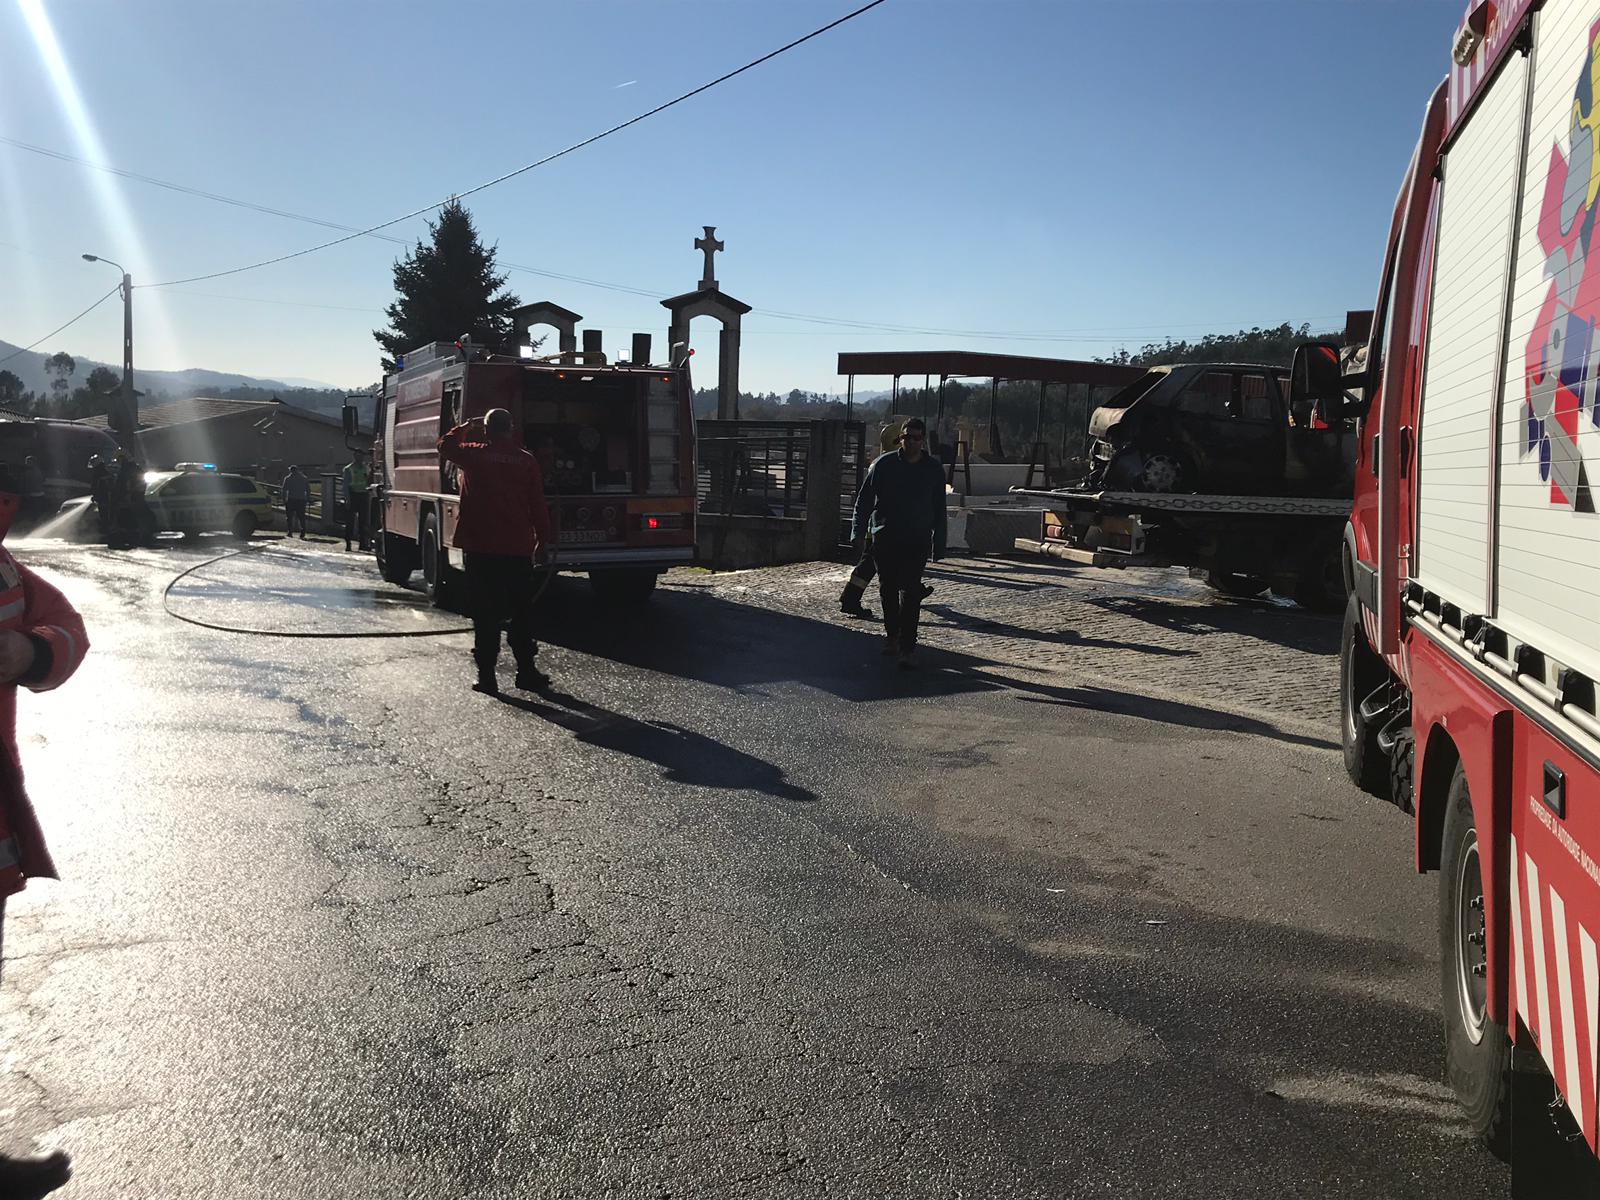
464 443
539 511
56 632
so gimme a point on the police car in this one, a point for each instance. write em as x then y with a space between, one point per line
194 498
197 498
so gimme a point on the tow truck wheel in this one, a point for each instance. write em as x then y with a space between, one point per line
1321 587
1361 672
435 564
1477 1047
1230 583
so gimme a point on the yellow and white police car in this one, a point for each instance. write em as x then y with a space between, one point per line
194 498
197 498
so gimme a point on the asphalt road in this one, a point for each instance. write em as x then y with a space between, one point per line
737 910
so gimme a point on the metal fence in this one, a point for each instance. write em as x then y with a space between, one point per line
753 468
857 458
760 468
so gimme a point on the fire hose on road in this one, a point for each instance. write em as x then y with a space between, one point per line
546 572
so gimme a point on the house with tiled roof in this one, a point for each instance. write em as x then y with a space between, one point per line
253 437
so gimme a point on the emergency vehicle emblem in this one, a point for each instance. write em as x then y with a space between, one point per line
1563 353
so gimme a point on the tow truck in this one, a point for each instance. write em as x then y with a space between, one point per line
1209 466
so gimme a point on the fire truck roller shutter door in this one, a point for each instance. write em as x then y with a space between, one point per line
1465 334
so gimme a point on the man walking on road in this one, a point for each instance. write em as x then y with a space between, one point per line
503 523
296 495
902 509
42 641
355 501
856 586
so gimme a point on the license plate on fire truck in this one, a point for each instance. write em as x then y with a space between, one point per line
581 535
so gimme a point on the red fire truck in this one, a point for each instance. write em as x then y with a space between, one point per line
1471 642
616 441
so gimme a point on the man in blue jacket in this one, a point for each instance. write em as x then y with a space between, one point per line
902 508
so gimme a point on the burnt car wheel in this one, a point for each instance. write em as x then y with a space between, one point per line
1163 471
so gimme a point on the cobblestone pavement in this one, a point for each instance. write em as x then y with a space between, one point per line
1147 630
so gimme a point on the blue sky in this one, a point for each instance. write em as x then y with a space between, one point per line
1075 175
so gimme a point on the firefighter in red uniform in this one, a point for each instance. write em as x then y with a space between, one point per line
41 644
503 523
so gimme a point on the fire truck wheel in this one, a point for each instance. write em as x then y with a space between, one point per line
1361 672
623 585
395 560
436 572
1477 1048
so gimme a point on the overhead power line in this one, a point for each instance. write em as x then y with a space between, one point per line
184 188
549 158
16 353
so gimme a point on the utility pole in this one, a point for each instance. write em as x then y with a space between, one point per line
127 424
130 399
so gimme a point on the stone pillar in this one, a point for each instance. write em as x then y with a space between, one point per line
824 483
728 371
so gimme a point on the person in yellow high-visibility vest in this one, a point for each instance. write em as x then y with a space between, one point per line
355 478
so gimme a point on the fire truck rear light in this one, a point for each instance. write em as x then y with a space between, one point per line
660 521
652 522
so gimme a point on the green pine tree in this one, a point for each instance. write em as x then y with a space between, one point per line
447 287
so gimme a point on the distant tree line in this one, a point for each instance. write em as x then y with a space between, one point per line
91 397
1273 346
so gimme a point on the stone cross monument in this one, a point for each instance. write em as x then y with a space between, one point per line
708 300
710 245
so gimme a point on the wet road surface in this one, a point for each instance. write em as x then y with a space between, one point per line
735 910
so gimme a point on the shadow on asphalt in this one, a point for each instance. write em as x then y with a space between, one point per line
984 578
1292 628
1060 637
694 634
683 755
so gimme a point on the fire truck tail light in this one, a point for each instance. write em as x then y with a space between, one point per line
656 522
652 522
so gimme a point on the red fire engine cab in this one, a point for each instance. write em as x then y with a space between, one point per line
615 441
1471 645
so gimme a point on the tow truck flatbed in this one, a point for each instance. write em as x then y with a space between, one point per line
1173 502
1240 544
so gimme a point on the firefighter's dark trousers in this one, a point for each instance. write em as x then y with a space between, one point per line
900 589
500 588
856 585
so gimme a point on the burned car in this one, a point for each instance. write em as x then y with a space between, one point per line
1217 428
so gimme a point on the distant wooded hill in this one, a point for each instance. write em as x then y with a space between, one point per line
61 385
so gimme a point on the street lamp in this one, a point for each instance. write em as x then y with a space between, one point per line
127 424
